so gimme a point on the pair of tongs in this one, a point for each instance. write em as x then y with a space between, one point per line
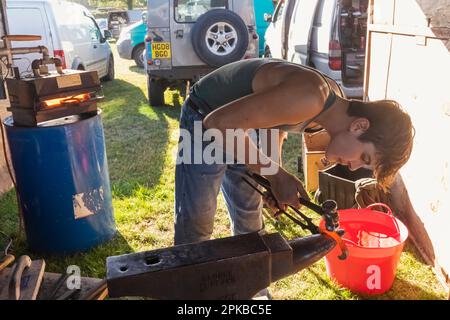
306 224
328 211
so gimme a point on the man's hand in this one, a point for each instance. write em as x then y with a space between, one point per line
286 189
272 204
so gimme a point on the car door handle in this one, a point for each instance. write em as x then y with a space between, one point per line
95 46
179 34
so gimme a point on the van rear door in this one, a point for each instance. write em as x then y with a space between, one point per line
352 19
299 35
28 20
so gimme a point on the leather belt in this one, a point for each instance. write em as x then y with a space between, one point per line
196 107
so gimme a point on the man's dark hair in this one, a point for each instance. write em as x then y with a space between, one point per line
392 133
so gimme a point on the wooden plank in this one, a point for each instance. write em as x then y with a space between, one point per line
49 281
32 280
414 31
377 71
30 283
313 149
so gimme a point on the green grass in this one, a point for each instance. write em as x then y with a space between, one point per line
141 145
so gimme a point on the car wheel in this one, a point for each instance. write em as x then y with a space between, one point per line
219 37
111 73
138 56
156 88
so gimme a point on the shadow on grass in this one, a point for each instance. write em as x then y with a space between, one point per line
136 69
404 290
92 263
401 288
137 136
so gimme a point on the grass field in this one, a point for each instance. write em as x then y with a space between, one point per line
141 144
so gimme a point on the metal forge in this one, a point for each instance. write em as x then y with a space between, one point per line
39 99
231 268
46 95
57 150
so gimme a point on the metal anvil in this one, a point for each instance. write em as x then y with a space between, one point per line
227 269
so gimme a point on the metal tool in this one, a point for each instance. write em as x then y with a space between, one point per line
23 263
25 279
308 226
328 210
61 280
46 95
6 259
39 99
229 268
99 292
67 295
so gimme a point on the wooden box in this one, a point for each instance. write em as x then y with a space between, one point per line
338 183
313 150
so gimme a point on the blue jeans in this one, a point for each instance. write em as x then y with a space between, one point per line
197 187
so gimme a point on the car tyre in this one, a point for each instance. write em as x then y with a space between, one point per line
220 37
111 72
138 56
156 88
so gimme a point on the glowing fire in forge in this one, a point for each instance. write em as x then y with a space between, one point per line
54 103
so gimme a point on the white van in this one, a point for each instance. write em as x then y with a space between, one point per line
328 35
275 36
67 29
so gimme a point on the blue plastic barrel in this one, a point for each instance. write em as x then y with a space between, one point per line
63 182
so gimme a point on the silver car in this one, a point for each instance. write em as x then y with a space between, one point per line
328 35
186 39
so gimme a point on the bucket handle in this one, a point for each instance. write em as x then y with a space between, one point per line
389 213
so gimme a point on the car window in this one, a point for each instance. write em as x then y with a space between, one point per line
191 10
303 17
278 10
134 15
102 23
94 32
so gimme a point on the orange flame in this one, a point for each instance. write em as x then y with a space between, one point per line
53 103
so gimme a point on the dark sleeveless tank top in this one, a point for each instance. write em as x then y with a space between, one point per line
234 81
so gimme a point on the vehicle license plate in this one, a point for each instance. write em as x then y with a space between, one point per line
161 50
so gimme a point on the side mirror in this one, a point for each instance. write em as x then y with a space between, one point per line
107 34
144 18
301 48
267 17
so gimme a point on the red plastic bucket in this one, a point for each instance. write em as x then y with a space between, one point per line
375 241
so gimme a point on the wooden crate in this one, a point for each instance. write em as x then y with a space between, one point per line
48 282
338 183
313 150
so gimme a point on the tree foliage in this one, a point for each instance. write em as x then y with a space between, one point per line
122 4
